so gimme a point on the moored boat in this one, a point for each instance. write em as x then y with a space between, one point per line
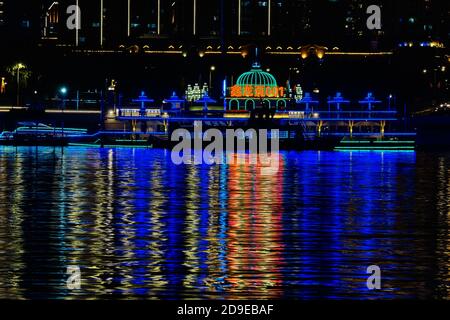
33 133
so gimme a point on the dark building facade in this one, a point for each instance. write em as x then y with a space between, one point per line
421 19
110 23
166 44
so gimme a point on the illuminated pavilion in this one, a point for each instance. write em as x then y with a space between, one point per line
256 87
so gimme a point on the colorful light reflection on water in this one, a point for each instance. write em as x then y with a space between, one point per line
141 227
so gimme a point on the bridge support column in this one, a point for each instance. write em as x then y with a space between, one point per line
382 128
351 124
133 128
319 127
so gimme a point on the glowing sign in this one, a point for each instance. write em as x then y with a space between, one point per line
250 91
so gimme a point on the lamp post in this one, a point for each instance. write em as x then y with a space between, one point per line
18 67
101 23
63 92
129 18
211 70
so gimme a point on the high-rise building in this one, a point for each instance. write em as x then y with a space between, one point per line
291 18
20 21
208 16
354 21
354 18
254 17
172 17
50 20
332 22
422 19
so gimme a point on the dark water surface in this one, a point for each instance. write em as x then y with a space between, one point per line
140 227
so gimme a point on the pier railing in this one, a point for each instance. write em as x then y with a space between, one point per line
319 115
344 115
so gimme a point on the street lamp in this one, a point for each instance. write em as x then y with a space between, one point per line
63 92
211 70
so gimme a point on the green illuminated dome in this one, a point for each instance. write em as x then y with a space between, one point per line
256 77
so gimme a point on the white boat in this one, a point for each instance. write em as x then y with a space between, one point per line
31 128
30 133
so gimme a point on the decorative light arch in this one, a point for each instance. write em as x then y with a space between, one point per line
250 101
230 104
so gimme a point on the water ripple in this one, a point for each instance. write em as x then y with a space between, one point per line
140 227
